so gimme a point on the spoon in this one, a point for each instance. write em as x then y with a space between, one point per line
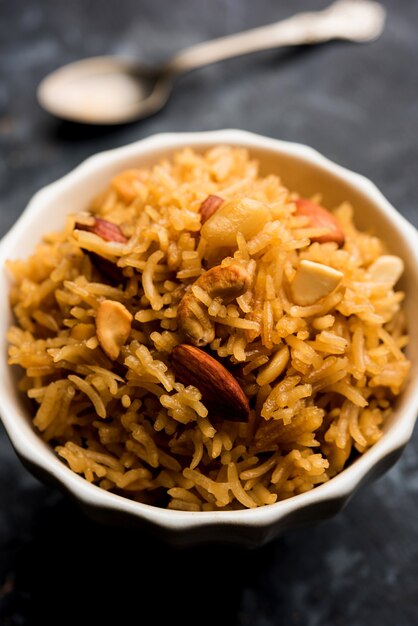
114 90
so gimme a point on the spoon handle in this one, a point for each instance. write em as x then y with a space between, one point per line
355 20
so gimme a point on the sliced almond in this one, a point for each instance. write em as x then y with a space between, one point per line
209 207
314 281
387 269
113 327
221 393
320 218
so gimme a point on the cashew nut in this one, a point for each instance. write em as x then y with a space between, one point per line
113 327
223 281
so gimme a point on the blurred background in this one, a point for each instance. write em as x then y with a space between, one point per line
357 104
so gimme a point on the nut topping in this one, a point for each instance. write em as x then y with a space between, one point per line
314 281
221 393
387 269
113 327
223 281
209 207
104 229
246 216
109 232
320 218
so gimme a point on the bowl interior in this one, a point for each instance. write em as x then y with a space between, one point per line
300 169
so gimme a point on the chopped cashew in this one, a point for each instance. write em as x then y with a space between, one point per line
314 281
223 281
387 269
113 327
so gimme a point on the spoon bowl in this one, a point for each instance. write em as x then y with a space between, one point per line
104 90
113 90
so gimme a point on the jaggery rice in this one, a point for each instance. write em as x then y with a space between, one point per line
319 371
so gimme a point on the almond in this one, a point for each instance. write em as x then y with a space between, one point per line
221 393
109 232
320 218
104 229
209 207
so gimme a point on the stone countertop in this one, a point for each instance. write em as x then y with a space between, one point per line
355 103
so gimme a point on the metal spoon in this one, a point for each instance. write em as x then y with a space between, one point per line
112 90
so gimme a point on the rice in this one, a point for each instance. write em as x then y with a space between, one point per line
320 378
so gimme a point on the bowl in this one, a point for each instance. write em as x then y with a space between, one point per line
301 168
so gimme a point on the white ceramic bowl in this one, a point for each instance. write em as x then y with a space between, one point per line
300 168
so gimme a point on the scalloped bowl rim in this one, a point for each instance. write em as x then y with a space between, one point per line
30 447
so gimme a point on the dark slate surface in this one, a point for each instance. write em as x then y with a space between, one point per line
356 104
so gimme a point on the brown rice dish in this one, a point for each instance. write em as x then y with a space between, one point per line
202 338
